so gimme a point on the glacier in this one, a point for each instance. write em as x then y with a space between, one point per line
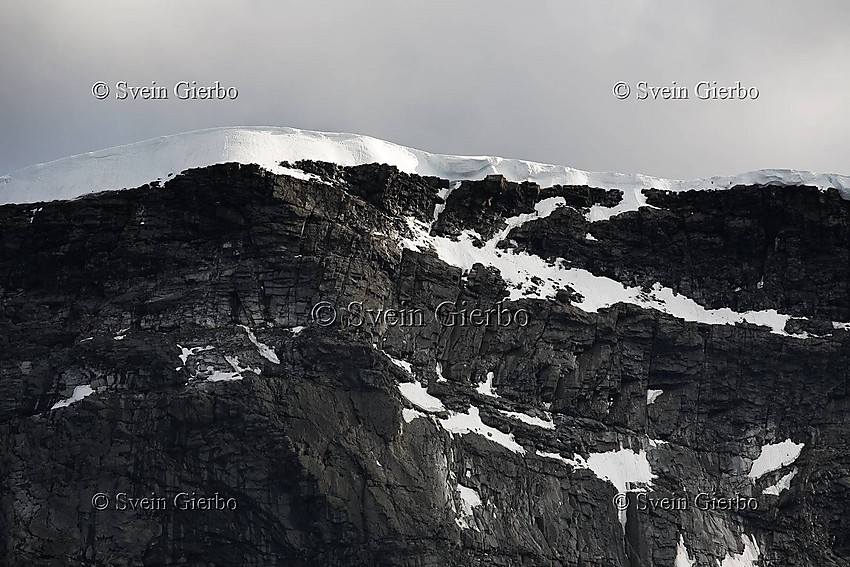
137 164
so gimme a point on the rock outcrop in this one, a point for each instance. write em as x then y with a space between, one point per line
241 368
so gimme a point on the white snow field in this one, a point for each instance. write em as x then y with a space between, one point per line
134 165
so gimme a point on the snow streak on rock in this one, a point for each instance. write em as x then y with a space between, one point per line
530 276
264 350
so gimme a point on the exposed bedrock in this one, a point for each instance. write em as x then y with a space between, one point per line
417 417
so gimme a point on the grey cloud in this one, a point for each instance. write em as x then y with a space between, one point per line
530 80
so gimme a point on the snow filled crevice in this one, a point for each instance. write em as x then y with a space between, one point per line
137 164
542 209
578 462
439 371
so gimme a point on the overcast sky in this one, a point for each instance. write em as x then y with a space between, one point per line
518 79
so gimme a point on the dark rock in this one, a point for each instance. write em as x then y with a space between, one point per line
312 444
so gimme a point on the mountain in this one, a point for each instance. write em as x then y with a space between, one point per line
279 347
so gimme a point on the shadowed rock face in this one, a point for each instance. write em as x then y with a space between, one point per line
304 430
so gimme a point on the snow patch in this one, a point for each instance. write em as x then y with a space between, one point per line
410 414
652 395
624 468
79 393
590 237
486 387
219 376
470 422
774 456
418 395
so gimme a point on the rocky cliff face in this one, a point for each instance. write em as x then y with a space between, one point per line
241 368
